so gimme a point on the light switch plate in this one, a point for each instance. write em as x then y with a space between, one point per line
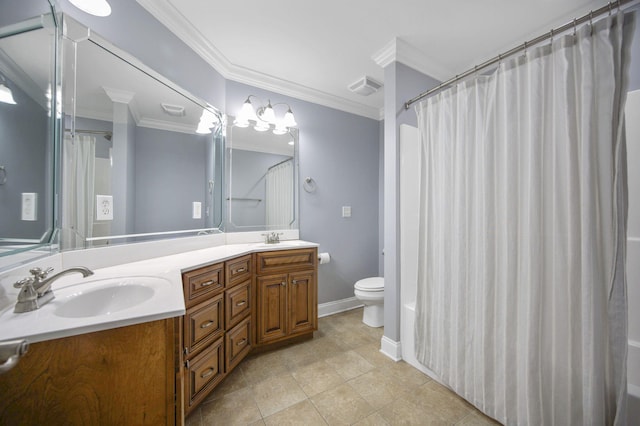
29 206
346 211
197 210
104 207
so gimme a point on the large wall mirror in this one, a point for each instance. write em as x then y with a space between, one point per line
262 176
28 123
141 158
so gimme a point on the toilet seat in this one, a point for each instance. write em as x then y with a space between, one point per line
370 284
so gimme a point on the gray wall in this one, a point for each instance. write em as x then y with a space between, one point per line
19 10
340 151
23 153
170 174
634 69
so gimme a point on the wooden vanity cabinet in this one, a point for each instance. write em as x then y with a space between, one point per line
286 294
217 332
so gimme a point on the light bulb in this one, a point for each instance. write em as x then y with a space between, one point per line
93 7
247 113
280 129
268 115
289 119
240 123
5 95
261 126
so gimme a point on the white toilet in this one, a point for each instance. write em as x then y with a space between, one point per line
370 291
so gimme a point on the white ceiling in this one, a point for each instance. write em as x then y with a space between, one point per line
314 50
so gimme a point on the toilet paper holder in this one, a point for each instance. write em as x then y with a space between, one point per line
324 258
3 175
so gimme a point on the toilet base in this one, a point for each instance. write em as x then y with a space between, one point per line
373 315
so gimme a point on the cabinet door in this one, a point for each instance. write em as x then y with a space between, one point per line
271 307
301 301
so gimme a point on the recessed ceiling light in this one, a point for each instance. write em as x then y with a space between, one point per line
93 7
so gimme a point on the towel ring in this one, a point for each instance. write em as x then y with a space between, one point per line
3 175
309 185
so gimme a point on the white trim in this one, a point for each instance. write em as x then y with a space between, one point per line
171 18
391 348
337 306
154 123
398 50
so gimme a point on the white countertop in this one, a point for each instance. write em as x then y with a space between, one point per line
167 301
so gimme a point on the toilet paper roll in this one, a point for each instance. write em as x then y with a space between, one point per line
324 258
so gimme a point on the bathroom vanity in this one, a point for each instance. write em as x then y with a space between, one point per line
156 371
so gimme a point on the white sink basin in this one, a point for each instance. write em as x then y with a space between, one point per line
106 296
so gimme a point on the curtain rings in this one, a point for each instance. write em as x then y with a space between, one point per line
525 48
551 36
574 26
609 8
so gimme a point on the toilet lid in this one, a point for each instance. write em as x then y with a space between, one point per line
370 284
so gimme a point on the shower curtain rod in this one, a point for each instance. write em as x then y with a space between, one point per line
573 24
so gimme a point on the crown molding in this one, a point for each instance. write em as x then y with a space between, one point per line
398 50
171 18
153 123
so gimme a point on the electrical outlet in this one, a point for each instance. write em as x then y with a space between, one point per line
104 207
29 206
197 210
346 211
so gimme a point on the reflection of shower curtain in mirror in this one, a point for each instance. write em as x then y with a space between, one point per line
279 195
77 190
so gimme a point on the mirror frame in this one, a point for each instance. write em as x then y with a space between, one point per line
228 219
48 243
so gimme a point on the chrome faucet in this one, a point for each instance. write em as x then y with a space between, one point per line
272 238
35 291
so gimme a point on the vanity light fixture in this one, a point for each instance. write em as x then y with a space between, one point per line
6 96
265 116
93 7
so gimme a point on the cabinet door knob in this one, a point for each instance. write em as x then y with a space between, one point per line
207 324
294 282
207 372
283 283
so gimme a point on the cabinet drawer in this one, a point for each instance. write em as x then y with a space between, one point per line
238 270
202 283
203 323
237 303
286 260
204 372
238 343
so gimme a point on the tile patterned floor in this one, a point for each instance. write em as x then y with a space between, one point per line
338 378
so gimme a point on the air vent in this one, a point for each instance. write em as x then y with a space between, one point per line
175 110
365 86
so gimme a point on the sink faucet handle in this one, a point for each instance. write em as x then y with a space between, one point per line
39 274
23 282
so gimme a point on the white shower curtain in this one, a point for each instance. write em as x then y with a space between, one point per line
521 304
78 174
279 195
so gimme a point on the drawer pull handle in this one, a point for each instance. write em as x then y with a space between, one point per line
207 373
240 270
207 283
207 324
241 342
242 302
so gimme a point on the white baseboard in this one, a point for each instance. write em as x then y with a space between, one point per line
337 306
391 348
